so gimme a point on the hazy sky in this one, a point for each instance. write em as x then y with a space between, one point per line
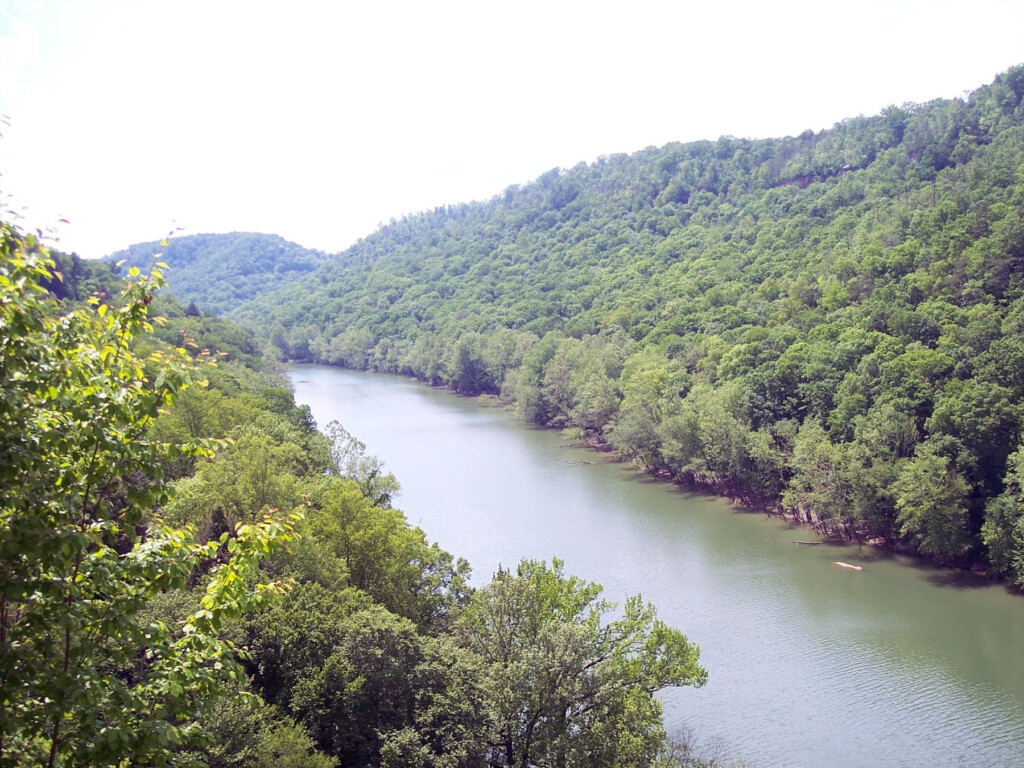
319 120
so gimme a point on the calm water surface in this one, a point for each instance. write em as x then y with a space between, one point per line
810 665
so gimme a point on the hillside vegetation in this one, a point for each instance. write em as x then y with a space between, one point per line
192 575
829 326
216 273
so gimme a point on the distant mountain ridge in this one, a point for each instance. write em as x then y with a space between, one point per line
219 272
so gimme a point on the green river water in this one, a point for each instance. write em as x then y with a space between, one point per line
901 664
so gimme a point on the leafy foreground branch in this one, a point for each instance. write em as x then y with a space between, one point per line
86 679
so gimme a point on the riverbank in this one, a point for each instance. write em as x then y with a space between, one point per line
829 529
804 518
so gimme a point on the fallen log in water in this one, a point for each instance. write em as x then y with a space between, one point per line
848 566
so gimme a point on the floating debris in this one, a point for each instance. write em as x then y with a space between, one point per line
847 566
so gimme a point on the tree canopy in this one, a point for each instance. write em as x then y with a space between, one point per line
565 685
216 273
86 677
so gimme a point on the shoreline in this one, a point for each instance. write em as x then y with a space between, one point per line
739 505
492 400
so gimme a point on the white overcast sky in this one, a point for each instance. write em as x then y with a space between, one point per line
319 120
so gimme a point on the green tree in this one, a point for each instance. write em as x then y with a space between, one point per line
818 487
984 418
565 686
1003 529
350 460
386 691
387 558
466 367
930 496
248 733
365 683
86 679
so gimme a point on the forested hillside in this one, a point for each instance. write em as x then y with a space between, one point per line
216 273
191 574
829 326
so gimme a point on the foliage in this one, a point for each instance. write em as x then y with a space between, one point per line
74 279
217 272
565 686
930 502
248 732
349 460
85 677
1003 530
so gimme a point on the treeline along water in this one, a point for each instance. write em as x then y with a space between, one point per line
901 664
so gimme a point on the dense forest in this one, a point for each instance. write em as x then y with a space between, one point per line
218 272
192 574
828 326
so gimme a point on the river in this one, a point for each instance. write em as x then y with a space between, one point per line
901 664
